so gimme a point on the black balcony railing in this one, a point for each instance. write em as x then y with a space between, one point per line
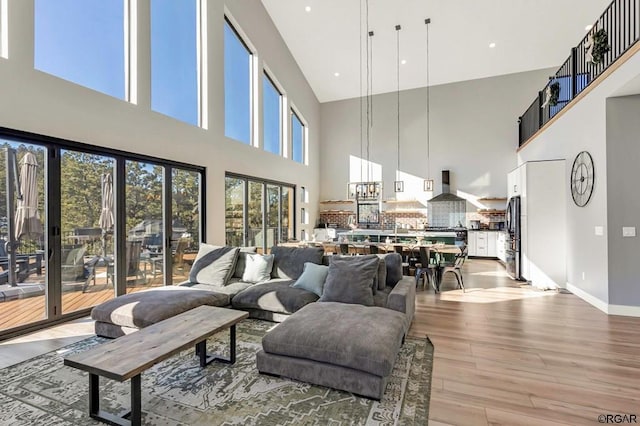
621 22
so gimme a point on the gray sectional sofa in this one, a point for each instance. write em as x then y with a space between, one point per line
323 340
273 300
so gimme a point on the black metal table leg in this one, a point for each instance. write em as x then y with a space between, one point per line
136 401
132 418
201 351
94 394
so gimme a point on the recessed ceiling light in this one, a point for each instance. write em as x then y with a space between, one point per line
492 45
404 61
337 74
307 9
588 27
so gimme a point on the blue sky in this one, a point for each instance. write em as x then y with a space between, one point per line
271 112
83 41
237 79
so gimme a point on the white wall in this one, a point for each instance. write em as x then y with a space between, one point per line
584 127
37 102
473 133
623 151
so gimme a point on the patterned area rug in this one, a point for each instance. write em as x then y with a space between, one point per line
42 391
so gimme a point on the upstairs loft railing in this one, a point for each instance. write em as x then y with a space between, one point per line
621 23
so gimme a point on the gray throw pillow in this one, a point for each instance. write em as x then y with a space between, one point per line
394 268
240 263
258 268
312 278
379 279
214 265
288 262
350 280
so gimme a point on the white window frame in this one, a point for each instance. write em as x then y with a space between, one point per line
305 134
4 29
266 71
254 79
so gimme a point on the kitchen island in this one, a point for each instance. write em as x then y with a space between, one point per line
441 235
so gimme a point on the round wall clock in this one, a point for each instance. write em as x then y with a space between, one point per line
582 179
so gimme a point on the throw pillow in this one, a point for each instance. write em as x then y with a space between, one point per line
240 263
350 280
381 274
257 267
394 268
288 262
214 265
312 278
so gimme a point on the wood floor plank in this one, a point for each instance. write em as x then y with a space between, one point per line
524 356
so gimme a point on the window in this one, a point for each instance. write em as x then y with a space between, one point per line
297 138
109 236
4 29
258 212
272 116
82 41
237 86
174 59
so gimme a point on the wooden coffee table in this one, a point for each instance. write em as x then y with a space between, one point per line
128 356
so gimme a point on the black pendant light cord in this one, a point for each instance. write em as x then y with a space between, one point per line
361 100
427 22
398 91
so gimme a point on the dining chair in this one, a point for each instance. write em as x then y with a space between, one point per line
456 267
405 263
372 249
426 270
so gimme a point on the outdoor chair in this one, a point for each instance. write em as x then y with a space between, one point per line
73 265
157 263
132 262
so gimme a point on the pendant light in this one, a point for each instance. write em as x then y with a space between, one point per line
398 185
428 182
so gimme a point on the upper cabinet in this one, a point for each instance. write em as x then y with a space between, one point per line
515 181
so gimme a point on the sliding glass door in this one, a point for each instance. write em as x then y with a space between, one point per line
82 224
86 189
258 212
23 264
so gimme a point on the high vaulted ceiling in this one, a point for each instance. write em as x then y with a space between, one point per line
528 35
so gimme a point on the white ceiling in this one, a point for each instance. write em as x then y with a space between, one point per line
529 34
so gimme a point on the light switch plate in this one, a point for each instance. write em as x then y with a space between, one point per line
628 231
599 230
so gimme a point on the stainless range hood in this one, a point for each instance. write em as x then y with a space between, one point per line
447 209
446 191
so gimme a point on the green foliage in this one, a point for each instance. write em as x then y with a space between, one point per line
555 94
600 46
81 192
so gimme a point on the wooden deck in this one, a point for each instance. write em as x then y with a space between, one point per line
27 310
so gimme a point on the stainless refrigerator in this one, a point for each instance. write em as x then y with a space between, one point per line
513 252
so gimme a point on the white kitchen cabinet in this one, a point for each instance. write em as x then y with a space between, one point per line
471 243
501 241
483 243
514 186
492 243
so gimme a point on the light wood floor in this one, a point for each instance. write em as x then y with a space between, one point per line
505 354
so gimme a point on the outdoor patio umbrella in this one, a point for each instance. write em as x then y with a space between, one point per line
106 215
27 218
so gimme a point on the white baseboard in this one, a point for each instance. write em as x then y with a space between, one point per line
628 311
